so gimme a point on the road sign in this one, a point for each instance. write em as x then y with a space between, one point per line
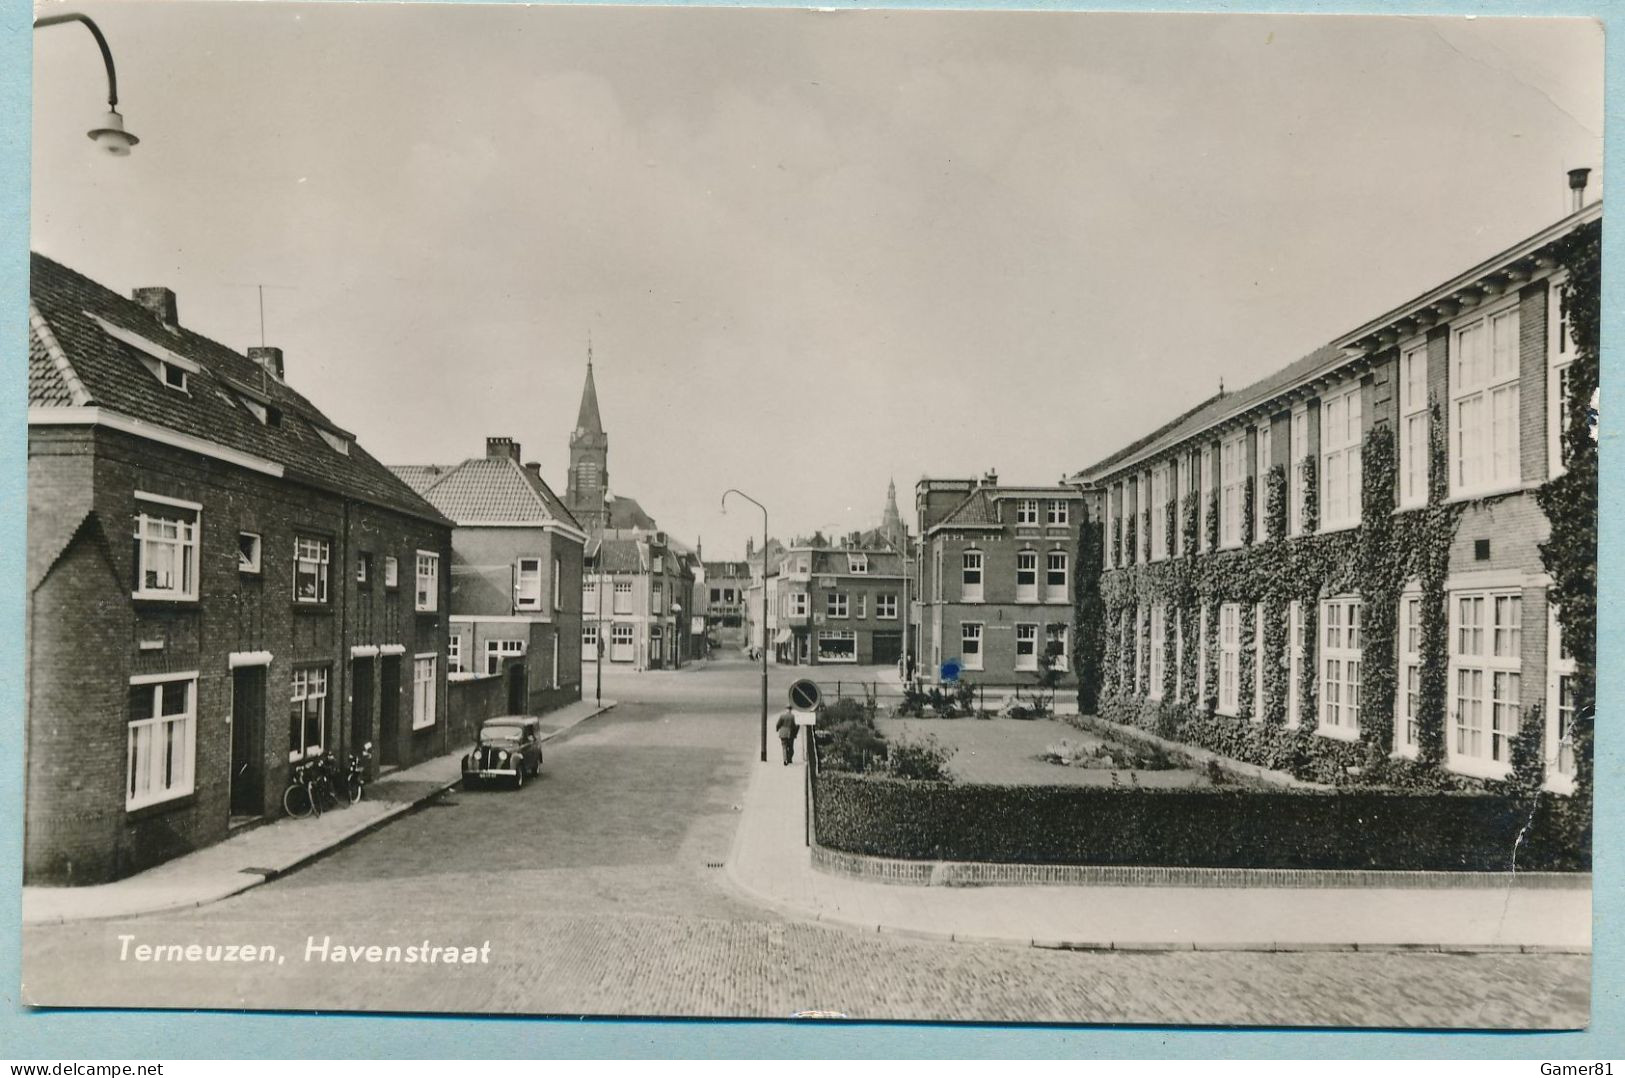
950 671
804 718
804 695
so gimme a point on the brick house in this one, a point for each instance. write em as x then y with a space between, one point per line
516 570
641 607
994 578
839 607
221 582
1376 494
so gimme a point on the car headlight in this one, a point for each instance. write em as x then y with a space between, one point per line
502 757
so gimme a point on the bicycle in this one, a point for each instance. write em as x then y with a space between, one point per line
299 799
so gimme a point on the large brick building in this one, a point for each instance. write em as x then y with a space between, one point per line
838 606
516 563
994 578
221 582
1337 569
635 593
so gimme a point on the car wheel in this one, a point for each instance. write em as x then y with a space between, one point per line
519 776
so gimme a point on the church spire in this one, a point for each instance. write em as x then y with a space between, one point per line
587 420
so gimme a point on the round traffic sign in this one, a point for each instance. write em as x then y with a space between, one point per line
804 695
950 671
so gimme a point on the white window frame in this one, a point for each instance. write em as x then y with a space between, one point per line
1027 563
1112 515
843 636
454 654
250 564
1156 640
309 687
1340 463
1201 650
798 604
972 641
424 695
1229 696
174 524
1027 511
589 639
836 604
1340 644
497 650
863 605
1027 638
527 584
427 599
1179 653
1413 426
1057 513
1059 632
1560 354
1057 576
1142 511
1297 479
1232 484
857 563
1559 751
1408 674
971 563
145 780
1485 454
886 606
618 589
312 557
1487 642
558 584
392 571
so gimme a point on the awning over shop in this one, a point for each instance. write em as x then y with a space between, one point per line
784 637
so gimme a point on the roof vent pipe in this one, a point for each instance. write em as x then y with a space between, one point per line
1577 188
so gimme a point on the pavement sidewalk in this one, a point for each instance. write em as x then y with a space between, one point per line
771 863
265 852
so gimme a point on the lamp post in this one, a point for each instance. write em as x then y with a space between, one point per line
110 134
763 508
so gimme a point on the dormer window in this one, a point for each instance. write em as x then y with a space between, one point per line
857 563
338 442
268 414
167 366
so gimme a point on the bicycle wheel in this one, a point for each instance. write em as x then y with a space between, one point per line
313 791
296 801
352 788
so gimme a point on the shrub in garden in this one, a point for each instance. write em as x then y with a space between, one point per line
925 759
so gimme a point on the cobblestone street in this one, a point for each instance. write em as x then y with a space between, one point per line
601 892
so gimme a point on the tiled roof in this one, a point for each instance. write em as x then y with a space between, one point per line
46 386
834 562
115 377
977 510
626 513
420 477
487 490
1217 408
620 555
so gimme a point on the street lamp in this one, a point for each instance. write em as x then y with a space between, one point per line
110 134
598 607
763 508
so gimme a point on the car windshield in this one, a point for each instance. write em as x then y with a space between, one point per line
500 733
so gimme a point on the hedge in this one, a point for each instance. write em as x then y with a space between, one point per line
1353 828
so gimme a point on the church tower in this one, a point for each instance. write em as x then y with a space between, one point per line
589 460
891 521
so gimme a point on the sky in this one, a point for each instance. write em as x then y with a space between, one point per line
814 251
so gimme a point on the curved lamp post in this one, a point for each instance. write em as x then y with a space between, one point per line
109 134
763 508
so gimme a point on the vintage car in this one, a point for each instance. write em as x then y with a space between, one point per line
508 748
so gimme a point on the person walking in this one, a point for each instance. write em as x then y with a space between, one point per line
786 728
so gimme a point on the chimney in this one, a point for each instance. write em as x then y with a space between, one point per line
161 302
270 359
498 446
991 478
1577 188
534 467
